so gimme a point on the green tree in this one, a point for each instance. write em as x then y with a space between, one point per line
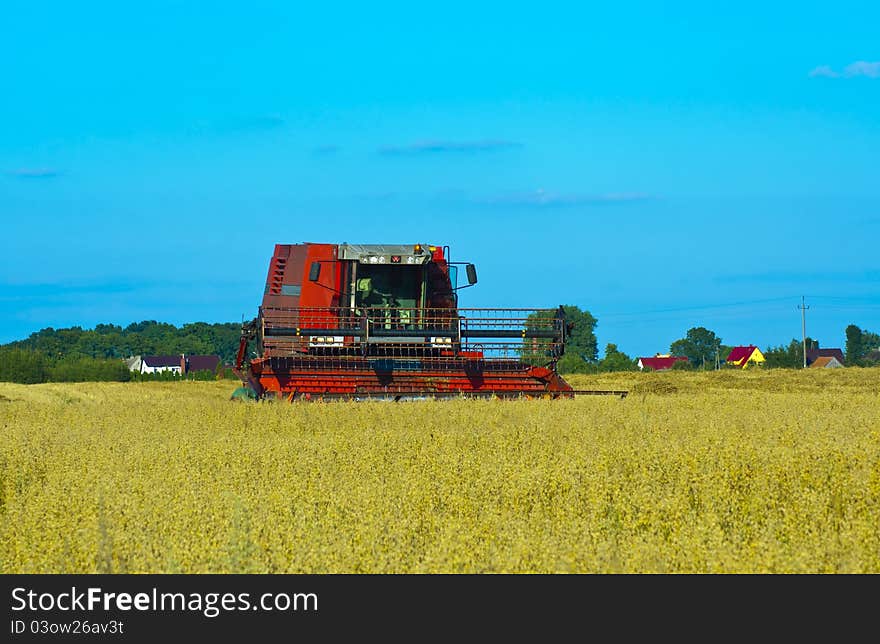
86 369
616 360
854 349
699 346
145 338
788 357
581 348
22 366
859 343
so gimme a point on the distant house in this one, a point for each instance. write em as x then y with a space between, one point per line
742 357
202 363
179 364
826 362
158 364
813 354
660 362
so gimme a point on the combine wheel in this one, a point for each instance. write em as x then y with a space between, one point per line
243 394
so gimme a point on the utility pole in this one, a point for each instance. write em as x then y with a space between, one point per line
803 307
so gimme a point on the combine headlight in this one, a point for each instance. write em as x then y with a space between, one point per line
440 342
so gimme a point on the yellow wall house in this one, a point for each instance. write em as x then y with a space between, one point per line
744 356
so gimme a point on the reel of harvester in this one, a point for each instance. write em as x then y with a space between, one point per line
407 354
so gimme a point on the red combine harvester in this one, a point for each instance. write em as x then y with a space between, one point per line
358 321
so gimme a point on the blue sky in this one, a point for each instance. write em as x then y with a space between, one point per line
662 168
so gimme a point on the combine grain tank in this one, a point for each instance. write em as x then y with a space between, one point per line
382 321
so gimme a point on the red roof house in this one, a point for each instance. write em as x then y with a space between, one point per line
743 356
826 362
660 363
813 354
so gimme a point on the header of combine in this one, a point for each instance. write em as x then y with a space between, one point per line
366 321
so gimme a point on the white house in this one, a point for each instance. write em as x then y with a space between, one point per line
134 363
156 364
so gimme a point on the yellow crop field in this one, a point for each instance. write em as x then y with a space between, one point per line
732 472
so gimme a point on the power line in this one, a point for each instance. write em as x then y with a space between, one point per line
857 304
803 307
873 299
699 308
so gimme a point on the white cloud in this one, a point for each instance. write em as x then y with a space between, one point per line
823 71
433 147
858 68
327 150
862 68
33 173
541 197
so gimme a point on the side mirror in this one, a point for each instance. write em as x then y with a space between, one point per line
314 271
471 274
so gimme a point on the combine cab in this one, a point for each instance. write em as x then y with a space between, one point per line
382 321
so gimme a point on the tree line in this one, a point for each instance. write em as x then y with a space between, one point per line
138 338
75 354
702 347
